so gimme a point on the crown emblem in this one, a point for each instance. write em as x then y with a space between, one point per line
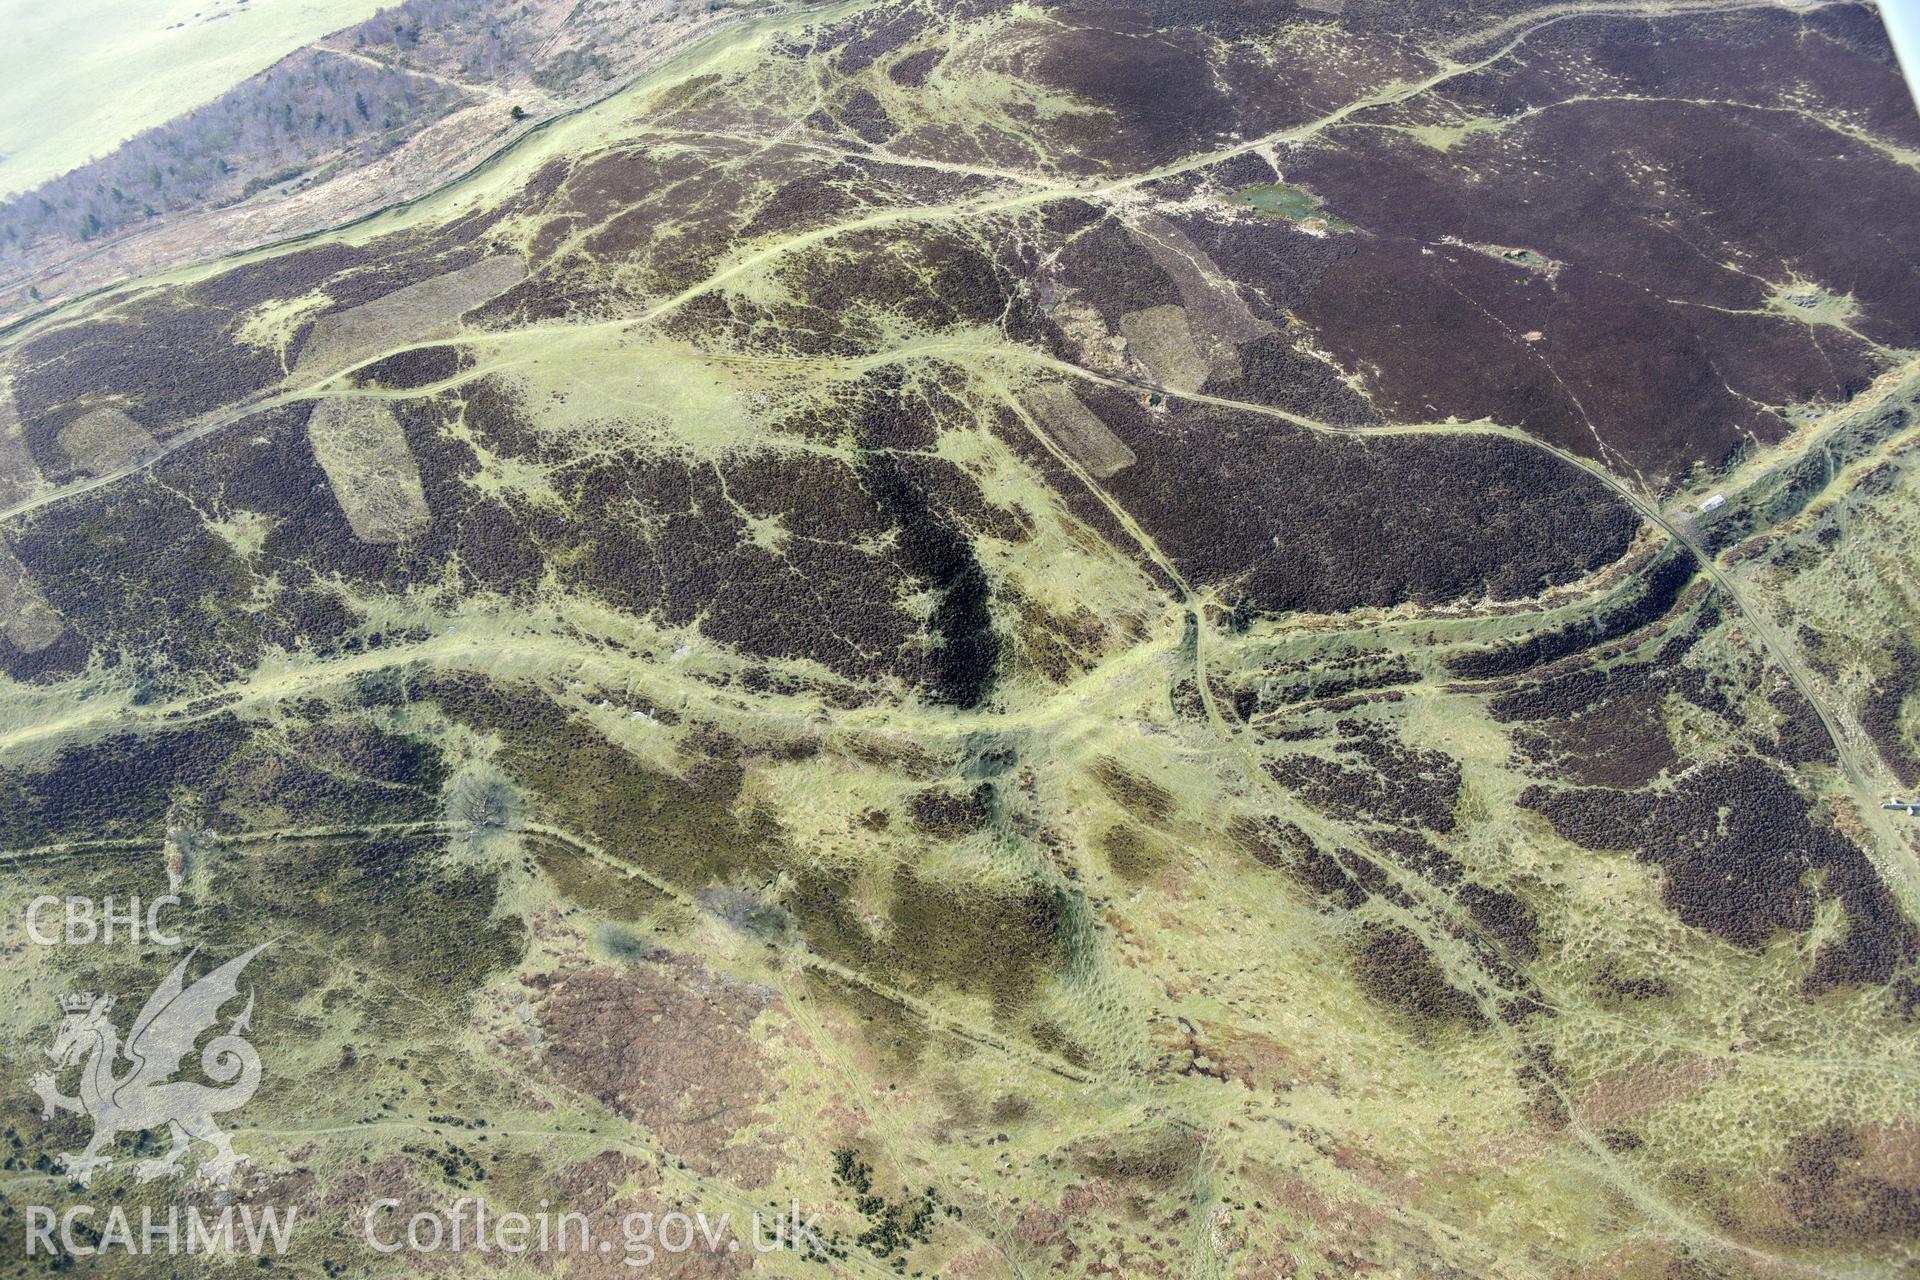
78 1002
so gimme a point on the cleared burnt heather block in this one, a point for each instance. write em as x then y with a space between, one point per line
272 472
360 445
132 361
65 656
130 357
102 441
406 309
1077 431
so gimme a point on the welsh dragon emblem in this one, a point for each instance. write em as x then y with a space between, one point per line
144 1095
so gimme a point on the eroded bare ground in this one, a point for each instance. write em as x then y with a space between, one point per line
1102 612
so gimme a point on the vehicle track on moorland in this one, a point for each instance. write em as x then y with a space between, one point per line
932 1016
1197 633
959 210
263 835
1899 868
1854 765
556 654
1893 856
1432 916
